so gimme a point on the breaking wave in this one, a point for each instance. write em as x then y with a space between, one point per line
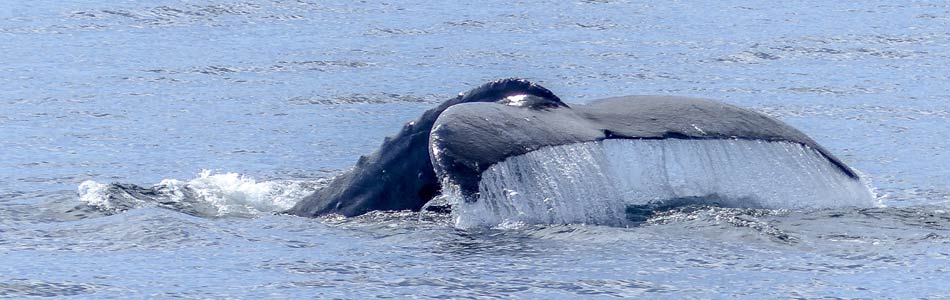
207 195
617 182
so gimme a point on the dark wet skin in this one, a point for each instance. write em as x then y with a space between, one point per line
465 135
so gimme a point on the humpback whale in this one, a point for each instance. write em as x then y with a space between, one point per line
455 143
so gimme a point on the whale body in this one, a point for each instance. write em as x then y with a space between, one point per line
455 143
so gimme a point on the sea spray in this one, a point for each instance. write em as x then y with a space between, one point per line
209 194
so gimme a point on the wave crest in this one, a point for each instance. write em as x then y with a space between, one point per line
207 195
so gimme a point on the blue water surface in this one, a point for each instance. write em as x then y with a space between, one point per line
280 91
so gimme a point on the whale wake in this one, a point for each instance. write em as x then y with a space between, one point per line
207 195
610 182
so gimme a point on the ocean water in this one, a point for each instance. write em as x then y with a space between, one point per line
248 105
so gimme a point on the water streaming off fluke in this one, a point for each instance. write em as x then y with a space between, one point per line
603 182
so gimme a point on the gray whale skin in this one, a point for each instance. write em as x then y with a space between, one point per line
465 135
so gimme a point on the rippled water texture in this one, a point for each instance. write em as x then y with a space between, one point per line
288 92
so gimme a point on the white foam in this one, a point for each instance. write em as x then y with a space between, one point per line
594 182
227 194
94 194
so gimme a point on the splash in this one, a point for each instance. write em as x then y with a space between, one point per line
604 182
208 195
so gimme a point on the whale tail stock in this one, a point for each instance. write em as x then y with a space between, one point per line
399 175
